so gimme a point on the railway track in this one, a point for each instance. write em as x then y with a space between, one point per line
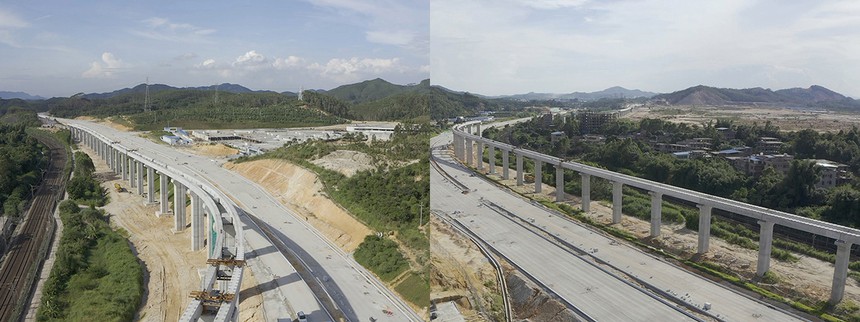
26 254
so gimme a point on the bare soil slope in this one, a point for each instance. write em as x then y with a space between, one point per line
302 191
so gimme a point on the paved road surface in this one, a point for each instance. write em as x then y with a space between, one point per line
354 290
566 275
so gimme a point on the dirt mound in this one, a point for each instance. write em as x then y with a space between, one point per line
346 162
530 302
214 150
300 189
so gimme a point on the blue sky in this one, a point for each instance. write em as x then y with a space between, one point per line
59 48
499 47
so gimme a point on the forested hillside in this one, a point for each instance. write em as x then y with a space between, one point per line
21 162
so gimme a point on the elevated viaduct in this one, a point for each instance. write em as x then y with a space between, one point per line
467 142
218 297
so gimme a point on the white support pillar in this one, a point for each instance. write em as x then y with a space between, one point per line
492 154
617 203
559 183
586 192
123 166
178 206
469 153
506 165
132 173
458 146
656 212
150 185
197 232
704 228
840 271
140 178
478 129
164 208
480 156
765 243
538 176
519 169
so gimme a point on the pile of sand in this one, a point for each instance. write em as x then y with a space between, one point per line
346 162
214 150
300 190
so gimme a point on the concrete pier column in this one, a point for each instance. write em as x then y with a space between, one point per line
559 183
617 203
538 176
765 243
469 153
506 166
704 228
519 169
164 208
132 173
586 192
656 212
478 129
123 166
492 154
458 146
480 156
150 185
140 178
840 272
197 232
178 206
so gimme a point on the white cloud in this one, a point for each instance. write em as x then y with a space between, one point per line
206 64
106 68
186 56
552 4
250 58
289 62
9 19
349 69
163 29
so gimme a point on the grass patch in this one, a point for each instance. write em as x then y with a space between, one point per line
414 289
381 256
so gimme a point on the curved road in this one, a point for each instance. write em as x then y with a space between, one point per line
354 290
566 275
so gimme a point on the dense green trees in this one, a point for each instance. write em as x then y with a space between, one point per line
95 275
83 187
22 159
793 191
381 256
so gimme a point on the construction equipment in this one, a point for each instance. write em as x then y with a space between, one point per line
118 187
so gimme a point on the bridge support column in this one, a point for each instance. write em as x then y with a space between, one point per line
150 185
132 173
196 223
178 206
840 271
538 176
765 243
123 166
164 208
519 169
559 183
492 154
506 166
478 129
617 188
656 212
458 147
704 228
480 156
140 178
586 192
468 158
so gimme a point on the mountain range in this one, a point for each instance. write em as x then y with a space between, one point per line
812 97
612 92
19 95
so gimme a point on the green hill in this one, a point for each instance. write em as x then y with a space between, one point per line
369 90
